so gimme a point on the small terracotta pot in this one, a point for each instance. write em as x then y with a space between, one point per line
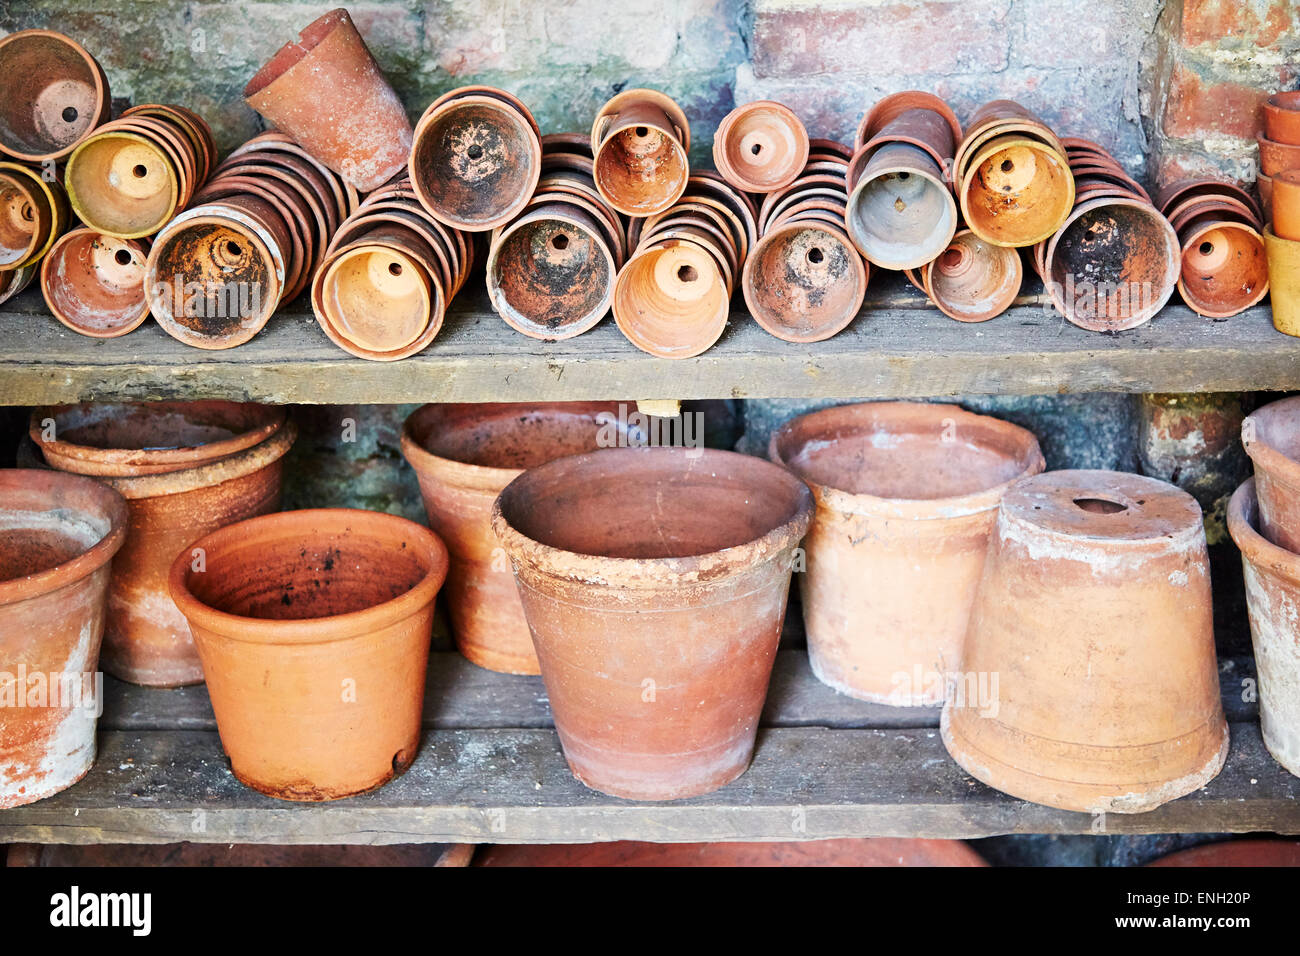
1224 268
34 212
1271 437
1094 615
1282 117
315 664
805 281
55 95
926 130
654 582
671 299
1285 204
900 213
464 455
94 284
1273 600
1283 281
122 182
59 533
326 91
1181 190
760 147
907 494
973 280
1275 158
1016 191
891 107
640 141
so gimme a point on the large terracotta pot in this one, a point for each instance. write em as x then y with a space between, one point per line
1283 281
1094 617
464 455
1271 436
313 628
58 534
907 494
654 581
1273 601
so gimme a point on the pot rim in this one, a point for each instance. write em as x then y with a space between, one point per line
88 561
1280 466
316 630
706 569
1257 550
102 94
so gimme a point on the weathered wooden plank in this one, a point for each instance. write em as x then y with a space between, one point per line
512 786
889 351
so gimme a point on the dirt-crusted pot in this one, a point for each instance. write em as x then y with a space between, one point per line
654 581
907 494
94 284
1093 617
1271 436
463 456
55 95
313 628
58 534
805 281
640 141
1273 601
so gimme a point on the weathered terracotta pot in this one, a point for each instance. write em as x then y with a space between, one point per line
640 141
1182 190
671 299
1273 600
654 582
55 95
1283 281
804 281
1094 613
885 111
901 213
760 147
94 284
316 663
33 214
464 455
1224 267
907 495
1276 158
1282 117
326 91
1285 204
16 280
973 280
58 534
1016 191
1271 437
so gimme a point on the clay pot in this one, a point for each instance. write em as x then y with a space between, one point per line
760 147
1283 281
316 663
94 284
907 494
464 455
640 141
326 91
1273 599
671 299
1094 613
972 280
654 583
1224 267
804 281
901 213
926 130
1285 204
15 281
33 214
1275 158
59 534
1113 264
1271 436
1282 117
55 95
891 107
1182 190
476 159
1016 191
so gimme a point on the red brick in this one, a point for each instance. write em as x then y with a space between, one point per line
1195 109
1262 22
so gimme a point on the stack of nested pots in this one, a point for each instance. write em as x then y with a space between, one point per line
640 141
901 212
476 158
907 494
1114 260
254 238
33 214
184 468
972 280
385 281
1264 520
1224 268
1279 146
672 296
59 534
760 147
551 269
1088 679
1279 187
804 281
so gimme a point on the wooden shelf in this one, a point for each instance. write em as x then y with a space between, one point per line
490 770
898 347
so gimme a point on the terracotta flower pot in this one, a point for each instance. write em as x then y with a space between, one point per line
1275 158
972 280
654 582
1235 853
901 213
1224 268
1273 600
326 91
1285 204
907 494
760 147
94 284
1282 117
59 534
1016 191
1094 613
671 300
464 455
640 141
316 664
804 281
1271 437
891 107
34 212
55 95
15 281
124 182
1283 281
1181 190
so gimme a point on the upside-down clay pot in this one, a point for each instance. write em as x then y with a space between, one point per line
1224 268
804 281
973 280
1094 615
760 147
328 93
671 299
464 455
1016 191
1271 437
1282 117
58 534
313 628
901 213
55 95
1272 576
639 141
907 494
14 281
1283 281
654 582
94 284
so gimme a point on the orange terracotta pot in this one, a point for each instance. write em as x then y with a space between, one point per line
1224 267
1284 204
671 299
1273 601
760 147
55 95
805 281
1016 191
972 280
34 212
316 663
1276 158
58 534
640 141
1282 117
94 284
876 851
464 455
326 91
15 281
1236 853
1271 436
123 182
907 494
1094 616
891 107
654 582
